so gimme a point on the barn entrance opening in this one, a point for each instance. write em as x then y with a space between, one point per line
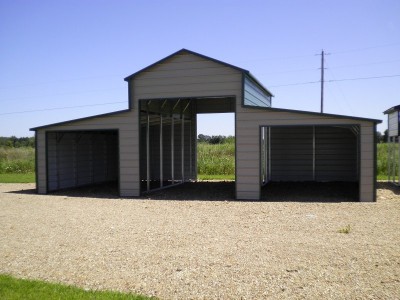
216 148
82 158
310 161
168 138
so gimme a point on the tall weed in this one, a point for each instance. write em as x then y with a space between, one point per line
217 159
17 160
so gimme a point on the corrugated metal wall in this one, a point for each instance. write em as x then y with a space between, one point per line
291 153
81 158
314 153
336 154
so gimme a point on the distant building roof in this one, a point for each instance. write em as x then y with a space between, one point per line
392 109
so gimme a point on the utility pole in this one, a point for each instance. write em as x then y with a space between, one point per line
322 81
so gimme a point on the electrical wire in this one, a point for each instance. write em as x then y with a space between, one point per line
335 80
282 85
60 108
365 48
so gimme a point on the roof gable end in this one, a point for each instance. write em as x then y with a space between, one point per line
185 51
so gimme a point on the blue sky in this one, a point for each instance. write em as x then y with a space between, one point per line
61 60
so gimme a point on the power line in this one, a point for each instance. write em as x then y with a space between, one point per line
334 80
366 64
297 83
67 93
365 48
59 108
60 81
362 78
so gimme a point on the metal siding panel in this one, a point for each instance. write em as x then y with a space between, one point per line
393 123
291 154
336 154
254 96
186 76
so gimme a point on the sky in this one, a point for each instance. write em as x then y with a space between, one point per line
62 60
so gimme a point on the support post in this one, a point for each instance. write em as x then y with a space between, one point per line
161 152
148 149
266 153
172 147
269 154
263 158
398 160
322 81
313 167
183 146
190 148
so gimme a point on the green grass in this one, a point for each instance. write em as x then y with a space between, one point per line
17 178
17 160
216 161
12 288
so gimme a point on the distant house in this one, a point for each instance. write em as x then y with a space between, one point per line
152 144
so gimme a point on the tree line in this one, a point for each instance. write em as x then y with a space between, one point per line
215 139
14 142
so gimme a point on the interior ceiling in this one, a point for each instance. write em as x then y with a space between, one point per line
200 105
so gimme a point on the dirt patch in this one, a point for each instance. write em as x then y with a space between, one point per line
220 249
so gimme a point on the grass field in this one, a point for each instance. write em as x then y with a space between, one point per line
17 177
17 160
14 289
214 162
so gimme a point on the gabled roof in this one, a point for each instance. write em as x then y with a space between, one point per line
392 109
185 51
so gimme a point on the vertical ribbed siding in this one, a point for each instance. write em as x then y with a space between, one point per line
41 172
292 153
335 154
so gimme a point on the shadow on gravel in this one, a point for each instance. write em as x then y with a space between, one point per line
310 192
272 192
202 191
107 190
225 191
23 192
385 185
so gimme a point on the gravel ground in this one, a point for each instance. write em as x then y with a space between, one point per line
179 249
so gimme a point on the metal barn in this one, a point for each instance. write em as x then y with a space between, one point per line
152 144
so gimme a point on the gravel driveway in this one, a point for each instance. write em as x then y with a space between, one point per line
176 249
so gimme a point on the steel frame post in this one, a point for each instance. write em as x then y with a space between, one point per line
182 146
148 148
313 166
398 161
161 151
263 153
172 147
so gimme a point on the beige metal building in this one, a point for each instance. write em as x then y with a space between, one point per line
152 144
